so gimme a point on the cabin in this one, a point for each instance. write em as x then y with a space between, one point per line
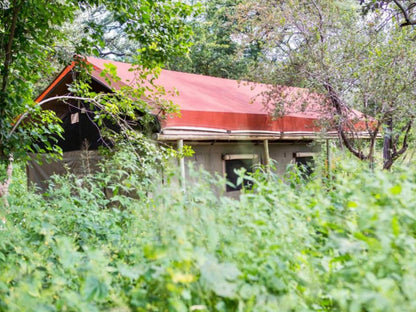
228 123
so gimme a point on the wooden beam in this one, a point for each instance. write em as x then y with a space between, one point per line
181 163
266 154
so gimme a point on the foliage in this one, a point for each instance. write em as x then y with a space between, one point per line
30 37
327 245
153 31
356 62
401 10
214 51
128 111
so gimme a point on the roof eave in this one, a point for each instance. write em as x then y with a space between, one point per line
204 134
55 82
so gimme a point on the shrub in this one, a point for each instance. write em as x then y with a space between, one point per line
347 244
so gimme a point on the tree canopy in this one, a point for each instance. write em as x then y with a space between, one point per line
404 11
214 50
31 42
357 62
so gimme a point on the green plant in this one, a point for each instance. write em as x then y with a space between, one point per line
347 244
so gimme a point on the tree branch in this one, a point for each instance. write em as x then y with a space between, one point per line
339 109
124 124
27 113
397 153
405 15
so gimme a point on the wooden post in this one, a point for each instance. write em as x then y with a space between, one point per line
181 163
266 154
328 158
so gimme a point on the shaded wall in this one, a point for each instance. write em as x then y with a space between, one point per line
76 162
209 155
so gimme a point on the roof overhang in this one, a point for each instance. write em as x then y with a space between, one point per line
207 134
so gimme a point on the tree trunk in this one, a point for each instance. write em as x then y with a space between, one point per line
342 113
8 49
4 186
388 143
393 153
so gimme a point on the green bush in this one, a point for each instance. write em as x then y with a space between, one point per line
341 244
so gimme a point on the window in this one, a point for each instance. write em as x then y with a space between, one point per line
236 162
305 162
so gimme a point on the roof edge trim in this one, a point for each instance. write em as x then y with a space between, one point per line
55 82
249 135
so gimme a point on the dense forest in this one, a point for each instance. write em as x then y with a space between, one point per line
125 237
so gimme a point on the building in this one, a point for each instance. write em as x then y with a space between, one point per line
228 123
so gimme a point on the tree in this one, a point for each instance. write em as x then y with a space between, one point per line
214 51
402 10
157 31
30 37
355 62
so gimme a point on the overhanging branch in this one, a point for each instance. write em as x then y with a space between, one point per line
27 113
341 112
405 13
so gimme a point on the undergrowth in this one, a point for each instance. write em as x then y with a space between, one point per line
121 241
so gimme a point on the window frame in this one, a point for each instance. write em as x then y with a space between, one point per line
309 169
227 157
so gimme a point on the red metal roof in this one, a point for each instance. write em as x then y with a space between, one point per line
223 104
210 104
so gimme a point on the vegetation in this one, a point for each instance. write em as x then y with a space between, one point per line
90 244
30 37
402 10
354 61
214 50
126 238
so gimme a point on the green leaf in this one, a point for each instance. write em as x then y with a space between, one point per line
396 190
177 305
94 289
395 226
220 277
130 272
